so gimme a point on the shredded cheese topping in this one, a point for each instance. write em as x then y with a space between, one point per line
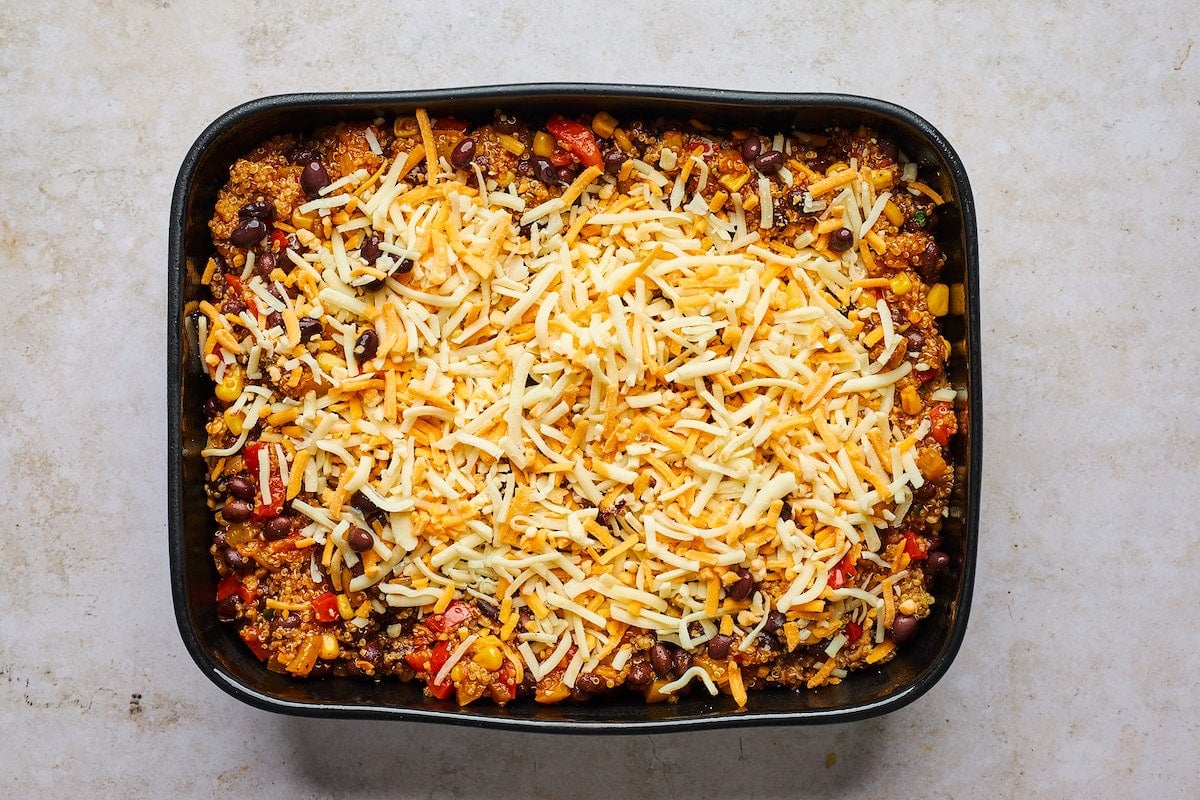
598 421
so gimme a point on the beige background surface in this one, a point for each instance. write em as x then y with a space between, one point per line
1079 127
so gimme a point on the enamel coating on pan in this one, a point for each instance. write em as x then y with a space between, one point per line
863 694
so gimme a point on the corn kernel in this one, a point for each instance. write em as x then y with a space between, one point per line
910 400
489 658
329 362
511 144
329 647
230 387
233 422
882 178
893 213
622 140
931 464
901 284
405 126
543 144
344 607
734 182
604 124
939 299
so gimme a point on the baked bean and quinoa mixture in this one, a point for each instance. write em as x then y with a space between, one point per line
563 407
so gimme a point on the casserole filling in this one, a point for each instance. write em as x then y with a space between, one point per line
562 407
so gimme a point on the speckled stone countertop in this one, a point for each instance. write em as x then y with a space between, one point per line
1079 673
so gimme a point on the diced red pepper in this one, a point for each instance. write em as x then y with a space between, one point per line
428 663
577 138
325 607
232 584
926 375
508 677
912 546
841 572
441 652
279 241
942 423
837 578
254 643
235 283
853 631
455 614
252 455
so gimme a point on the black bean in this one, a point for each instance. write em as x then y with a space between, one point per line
640 675
841 240
660 659
543 170
681 661
719 645
775 621
488 610
904 628
369 251
274 320
248 232
578 694
236 511
241 488
372 653
313 178
277 528
238 562
928 262
613 161
463 153
211 406
743 587
936 562
368 509
360 540
915 339
767 641
265 264
227 609
233 305
785 513
310 328
590 682
367 345
302 156
262 210
404 267
566 174
289 621
770 162
751 147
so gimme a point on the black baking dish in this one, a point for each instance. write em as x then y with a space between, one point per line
228 663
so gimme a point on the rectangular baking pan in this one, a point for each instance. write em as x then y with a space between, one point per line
229 664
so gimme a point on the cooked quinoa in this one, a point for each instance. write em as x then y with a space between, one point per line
555 407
